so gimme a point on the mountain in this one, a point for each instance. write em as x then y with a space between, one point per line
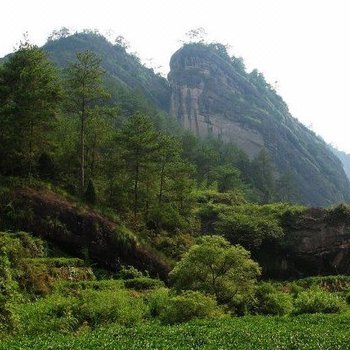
345 159
213 95
122 68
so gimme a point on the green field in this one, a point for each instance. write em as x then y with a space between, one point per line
251 332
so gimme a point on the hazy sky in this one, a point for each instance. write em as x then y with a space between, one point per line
302 44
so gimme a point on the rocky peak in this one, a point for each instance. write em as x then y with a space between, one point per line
213 96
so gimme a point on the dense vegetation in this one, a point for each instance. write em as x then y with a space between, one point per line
100 179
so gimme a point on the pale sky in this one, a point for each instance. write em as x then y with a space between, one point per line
302 44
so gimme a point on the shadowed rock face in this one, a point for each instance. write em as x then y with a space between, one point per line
313 245
211 96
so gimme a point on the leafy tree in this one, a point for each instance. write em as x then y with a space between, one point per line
216 267
85 91
30 93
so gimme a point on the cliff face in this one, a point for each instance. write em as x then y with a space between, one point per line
212 95
314 244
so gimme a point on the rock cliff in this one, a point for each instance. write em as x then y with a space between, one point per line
213 95
316 243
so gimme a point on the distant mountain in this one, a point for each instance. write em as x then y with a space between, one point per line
213 95
345 159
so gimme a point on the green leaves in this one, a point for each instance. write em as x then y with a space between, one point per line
30 96
215 267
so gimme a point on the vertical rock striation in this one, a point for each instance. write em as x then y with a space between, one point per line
214 96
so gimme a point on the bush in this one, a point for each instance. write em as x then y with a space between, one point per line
106 306
315 300
157 300
348 298
142 283
269 301
187 306
129 272
48 315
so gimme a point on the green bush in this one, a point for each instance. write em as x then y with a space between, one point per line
55 313
187 306
316 300
142 283
106 306
157 300
129 272
348 298
269 301
75 288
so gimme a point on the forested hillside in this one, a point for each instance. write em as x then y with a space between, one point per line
115 218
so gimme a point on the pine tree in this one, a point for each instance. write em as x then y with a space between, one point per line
30 93
86 91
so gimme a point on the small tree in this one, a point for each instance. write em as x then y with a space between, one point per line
216 267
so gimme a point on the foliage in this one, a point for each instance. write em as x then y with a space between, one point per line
340 213
30 93
251 225
85 90
187 306
321 332
143 283
269 301
214 266
129 272
315 300
103 307
157 300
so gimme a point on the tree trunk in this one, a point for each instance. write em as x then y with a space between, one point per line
137 170
161 185
82 149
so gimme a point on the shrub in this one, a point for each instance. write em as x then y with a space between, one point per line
142 283
157 300
106 306
187 306
129 272
47 315
315 300
269 301
348 298
216 267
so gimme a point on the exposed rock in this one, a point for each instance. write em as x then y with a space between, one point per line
212 96
313 245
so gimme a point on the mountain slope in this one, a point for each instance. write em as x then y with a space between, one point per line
123 68
213 96
344 158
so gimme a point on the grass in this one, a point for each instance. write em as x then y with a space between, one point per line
309 332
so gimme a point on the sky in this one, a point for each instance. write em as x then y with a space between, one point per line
303 45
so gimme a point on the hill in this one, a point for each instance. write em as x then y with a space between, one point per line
121 68
213 95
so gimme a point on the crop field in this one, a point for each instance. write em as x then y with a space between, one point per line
309 332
